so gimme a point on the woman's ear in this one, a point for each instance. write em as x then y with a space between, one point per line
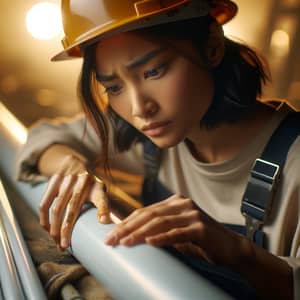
215 46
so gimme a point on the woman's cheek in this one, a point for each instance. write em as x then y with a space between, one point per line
122 108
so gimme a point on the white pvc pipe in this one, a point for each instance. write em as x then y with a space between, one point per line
141 272
10 283
1 293
25 267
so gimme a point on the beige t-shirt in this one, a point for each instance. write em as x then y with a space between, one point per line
216 187
219 187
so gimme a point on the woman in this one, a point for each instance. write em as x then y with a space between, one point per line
162 71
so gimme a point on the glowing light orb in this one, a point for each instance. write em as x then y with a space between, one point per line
280 42
43 21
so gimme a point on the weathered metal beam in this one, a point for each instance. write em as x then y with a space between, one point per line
26 270
10 282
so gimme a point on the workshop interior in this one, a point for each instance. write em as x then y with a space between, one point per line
32 87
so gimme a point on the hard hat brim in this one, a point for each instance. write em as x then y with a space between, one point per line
222 10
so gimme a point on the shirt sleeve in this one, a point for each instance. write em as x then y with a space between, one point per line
294 258
294 263
76 133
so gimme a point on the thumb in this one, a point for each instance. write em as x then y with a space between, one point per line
99 198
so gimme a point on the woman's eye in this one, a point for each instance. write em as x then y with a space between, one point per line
113 90
154 73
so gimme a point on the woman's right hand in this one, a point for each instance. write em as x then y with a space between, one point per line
66 193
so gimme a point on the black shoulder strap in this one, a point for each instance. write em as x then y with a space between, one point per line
280 142
265 174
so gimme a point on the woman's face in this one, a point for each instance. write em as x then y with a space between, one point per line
155 88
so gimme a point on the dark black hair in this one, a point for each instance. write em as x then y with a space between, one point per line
238 82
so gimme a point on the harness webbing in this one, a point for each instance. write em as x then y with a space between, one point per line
257 200
265 174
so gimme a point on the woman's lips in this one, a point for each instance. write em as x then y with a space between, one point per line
156 128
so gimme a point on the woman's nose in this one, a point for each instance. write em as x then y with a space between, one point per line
143 106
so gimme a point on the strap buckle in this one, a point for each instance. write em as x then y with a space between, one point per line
259 194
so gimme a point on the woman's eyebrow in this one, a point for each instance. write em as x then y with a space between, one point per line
105 78
137 62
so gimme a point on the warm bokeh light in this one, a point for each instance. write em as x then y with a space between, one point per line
46 97
9 84
280 42
12 124
43 21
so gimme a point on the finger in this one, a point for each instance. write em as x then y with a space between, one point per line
59 206
48 198
99 198
159 225
139 217
73 210
174 203
174 236
72 165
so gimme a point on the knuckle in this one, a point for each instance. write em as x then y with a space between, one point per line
162 221
169 234
43 206
135 235
178 200
72 177
196 214
122 230
83 176
151 214
175 198
189 202
56 210
178 196
121 227
137 212
74 200
200 228
178 231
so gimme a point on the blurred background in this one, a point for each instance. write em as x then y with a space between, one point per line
33 87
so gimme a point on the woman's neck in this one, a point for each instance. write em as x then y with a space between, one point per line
225 141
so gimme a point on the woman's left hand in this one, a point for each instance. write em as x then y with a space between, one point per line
178 222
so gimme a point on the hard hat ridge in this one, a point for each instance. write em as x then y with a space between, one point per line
88 21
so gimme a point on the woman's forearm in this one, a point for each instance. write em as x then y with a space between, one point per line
271 276
51 160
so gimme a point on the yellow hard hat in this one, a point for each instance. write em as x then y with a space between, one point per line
85 21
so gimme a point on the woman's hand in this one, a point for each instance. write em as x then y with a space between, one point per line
178 222
66 193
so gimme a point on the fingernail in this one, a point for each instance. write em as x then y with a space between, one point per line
150 240
128 241
111 240
64 243
59 248
104 219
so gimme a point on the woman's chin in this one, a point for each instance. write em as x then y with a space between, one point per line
165 143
